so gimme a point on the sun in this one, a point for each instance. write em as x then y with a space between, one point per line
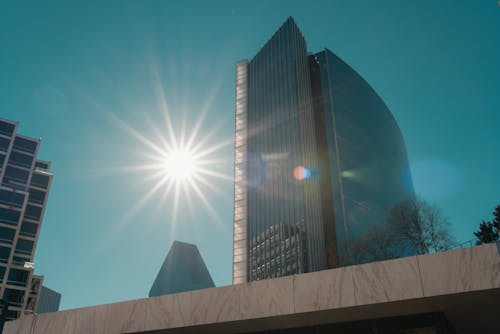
180 165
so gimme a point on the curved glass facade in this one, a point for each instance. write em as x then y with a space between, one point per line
365 153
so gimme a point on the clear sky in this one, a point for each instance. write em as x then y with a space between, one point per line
88 79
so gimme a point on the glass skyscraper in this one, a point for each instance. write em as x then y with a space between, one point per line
24 188
183 270
318 160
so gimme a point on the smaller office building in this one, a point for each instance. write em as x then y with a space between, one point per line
182 270
48 301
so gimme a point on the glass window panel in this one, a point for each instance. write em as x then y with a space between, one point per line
24 246
20 260
33 212
29 229
4 254
25 145
21 159
14 297
18 277
9 216
40 180
16 174
7 234
11 198
37 196
41 164
6 128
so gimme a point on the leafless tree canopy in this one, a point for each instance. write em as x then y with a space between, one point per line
413 226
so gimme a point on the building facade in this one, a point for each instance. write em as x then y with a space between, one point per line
49 300
24 188
182 270
317 151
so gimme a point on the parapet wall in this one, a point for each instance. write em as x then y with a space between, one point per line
458 283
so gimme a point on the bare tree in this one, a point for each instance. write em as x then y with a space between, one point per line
422 225
412 226
376 244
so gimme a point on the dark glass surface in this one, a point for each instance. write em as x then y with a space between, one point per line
11 198
4 254
20 159
7 234
20 260
25 145
41 164
366 154
18 277
6 128
8 216
40 180
33 212
16 174
13 296
280 137
4 144
24 246
36 196
29 229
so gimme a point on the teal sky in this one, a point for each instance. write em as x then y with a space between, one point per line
69 70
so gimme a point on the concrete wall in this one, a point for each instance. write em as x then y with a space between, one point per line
458 283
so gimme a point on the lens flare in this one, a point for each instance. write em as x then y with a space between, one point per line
301 173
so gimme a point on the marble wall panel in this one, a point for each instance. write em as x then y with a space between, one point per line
266 298
387 281
159 312
57 322
181 309
215 305
460 270
485 267
324 290
121 317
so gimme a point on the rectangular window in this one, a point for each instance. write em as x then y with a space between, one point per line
41 164
14 297
11 198
4 254
4 144
33 212
40 180
20 159
29 229
17 260
37 196
11 314
2 273
6 128
9 216
7 234
18 277
15 174
24 246
25 145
